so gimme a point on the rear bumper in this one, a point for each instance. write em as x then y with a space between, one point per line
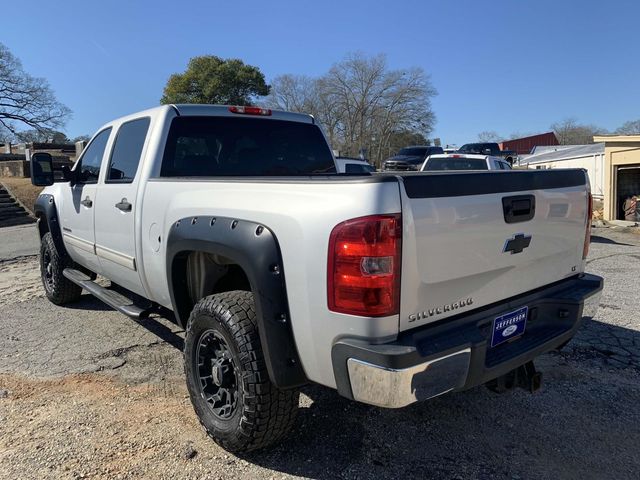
454 354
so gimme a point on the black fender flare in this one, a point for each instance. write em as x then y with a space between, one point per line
45 211
255 249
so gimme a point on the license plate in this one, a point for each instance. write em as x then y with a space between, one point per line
508 326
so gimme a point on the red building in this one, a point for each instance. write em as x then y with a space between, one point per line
524 145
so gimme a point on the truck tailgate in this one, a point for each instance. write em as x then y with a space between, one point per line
462 249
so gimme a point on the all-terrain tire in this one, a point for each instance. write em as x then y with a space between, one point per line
59 290
263 414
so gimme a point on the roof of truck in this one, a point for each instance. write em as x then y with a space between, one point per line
465 155
224 110
211 110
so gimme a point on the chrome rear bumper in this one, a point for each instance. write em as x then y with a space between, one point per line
395 388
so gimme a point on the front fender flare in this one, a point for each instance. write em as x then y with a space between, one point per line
45 211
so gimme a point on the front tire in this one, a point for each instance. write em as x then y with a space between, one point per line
227 377
58 288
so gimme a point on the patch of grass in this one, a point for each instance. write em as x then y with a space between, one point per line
22 189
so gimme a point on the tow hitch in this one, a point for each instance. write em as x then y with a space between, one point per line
525 377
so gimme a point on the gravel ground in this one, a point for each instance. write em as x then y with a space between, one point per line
88 393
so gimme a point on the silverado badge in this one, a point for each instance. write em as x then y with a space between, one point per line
438 310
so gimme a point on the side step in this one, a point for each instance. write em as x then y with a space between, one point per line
114 299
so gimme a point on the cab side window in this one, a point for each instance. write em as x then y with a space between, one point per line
125 156
92 158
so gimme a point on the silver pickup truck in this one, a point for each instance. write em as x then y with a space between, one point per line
389 288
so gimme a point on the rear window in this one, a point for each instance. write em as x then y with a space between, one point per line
413 151
477 148
127 149
456 164
358 168
224 146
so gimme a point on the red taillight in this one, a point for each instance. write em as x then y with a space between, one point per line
363 274
251 110
587 235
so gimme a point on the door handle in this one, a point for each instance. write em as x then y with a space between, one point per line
519 208
123 205
87 202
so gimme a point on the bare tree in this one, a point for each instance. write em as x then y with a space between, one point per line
6 136
81 138
42 136
299 93
570 132
25 99
294 93
632 127
489 136
361 103
515 135
374 102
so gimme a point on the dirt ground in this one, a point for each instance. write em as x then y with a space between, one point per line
22 189
19 281
88 393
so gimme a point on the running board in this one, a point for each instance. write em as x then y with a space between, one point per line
112 298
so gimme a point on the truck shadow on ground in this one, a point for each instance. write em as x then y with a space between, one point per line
88 302
609 241
152 324
480 434
163 332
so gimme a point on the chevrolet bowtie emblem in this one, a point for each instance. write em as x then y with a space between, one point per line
517 244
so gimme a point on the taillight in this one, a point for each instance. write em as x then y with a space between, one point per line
587 235
251 110
363 274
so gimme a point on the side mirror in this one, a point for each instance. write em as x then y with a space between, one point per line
42 169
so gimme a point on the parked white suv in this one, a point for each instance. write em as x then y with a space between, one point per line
389 288
353 165
463 161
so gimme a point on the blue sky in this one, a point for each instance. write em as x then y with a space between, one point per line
508 66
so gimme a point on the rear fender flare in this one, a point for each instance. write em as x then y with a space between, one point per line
255 249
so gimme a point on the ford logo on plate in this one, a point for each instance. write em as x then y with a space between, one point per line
509 330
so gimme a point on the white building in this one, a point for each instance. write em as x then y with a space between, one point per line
589 157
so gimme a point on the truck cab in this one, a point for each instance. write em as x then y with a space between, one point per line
409 158
489 148
462 161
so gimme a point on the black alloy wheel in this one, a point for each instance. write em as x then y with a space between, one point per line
217 372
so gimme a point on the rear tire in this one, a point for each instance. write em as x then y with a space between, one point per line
227 376
59 290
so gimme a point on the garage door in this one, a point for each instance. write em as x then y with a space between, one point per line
628 185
